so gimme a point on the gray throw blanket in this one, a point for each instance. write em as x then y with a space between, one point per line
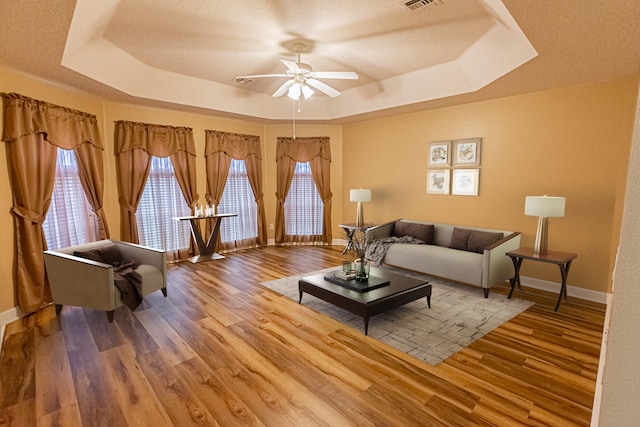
377 249
129 282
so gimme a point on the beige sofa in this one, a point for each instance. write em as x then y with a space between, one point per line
464 254
86 283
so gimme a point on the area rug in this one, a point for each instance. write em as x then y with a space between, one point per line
459 315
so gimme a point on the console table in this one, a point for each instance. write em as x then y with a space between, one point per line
561 259
207 250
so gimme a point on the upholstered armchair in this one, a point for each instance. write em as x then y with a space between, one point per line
84 276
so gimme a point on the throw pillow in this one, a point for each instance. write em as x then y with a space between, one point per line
422 232
109 254
478 240
459 238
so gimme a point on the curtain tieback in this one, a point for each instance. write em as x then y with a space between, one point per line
28 215
127 206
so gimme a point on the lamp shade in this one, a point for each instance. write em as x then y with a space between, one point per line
360 195
544 206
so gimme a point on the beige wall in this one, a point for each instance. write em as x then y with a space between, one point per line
572 142
618 381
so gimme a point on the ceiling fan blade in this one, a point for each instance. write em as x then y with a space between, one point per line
346 75
284 88
258 76
292 65
323 87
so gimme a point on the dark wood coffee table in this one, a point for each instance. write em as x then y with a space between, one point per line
401 290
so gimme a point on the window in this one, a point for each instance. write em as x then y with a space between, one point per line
70 219
238 198
161 200
303 206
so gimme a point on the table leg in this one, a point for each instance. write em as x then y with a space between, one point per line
366 325
564 272
349 240
207 250
515 280
429 300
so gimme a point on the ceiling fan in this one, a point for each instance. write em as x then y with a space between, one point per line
302 78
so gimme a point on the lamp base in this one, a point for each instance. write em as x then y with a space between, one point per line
359 215
542 234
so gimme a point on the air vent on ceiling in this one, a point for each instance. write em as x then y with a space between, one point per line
415 6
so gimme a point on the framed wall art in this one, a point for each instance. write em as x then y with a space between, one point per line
438 181
466 152
465 182
439 154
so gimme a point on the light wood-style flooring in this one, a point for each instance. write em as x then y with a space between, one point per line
223 351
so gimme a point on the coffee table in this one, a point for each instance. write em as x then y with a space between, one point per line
400 290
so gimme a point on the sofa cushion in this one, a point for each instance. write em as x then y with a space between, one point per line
108 254
422 232
478 240
459 238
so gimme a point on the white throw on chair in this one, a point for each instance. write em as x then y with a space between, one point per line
82 282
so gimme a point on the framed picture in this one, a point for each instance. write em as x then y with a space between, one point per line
465 182
466 152
438 181
439 154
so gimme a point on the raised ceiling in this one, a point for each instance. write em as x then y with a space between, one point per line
185 54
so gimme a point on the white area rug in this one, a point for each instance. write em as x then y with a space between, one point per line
458 316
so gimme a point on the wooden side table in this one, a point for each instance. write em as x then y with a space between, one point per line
561 259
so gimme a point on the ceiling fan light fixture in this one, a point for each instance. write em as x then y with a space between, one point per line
294 91
307 91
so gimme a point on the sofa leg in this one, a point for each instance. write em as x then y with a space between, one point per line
164 292
58 309
110 315
486 292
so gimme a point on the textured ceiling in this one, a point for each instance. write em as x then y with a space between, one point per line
184 54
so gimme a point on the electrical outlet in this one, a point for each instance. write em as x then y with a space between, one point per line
270 226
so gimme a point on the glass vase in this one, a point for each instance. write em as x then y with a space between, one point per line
362 270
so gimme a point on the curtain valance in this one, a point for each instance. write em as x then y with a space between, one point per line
303 149
62 127
235 145
156 140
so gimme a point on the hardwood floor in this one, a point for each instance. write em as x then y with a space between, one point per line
222 350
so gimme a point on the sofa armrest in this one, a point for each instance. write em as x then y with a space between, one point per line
496 266
80 282
144 255
382 230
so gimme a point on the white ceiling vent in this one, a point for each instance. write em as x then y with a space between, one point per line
415 6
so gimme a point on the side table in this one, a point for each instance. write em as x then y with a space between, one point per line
349 229
561 259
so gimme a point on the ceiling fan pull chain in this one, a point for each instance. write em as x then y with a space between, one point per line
293 104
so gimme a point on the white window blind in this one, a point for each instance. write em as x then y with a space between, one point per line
238 198
161 200
303 207
70 219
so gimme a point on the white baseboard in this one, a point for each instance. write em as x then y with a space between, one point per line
6 317
572 291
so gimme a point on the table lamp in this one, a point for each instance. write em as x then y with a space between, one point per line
543 207
360 196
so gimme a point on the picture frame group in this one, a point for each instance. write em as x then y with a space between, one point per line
454 167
